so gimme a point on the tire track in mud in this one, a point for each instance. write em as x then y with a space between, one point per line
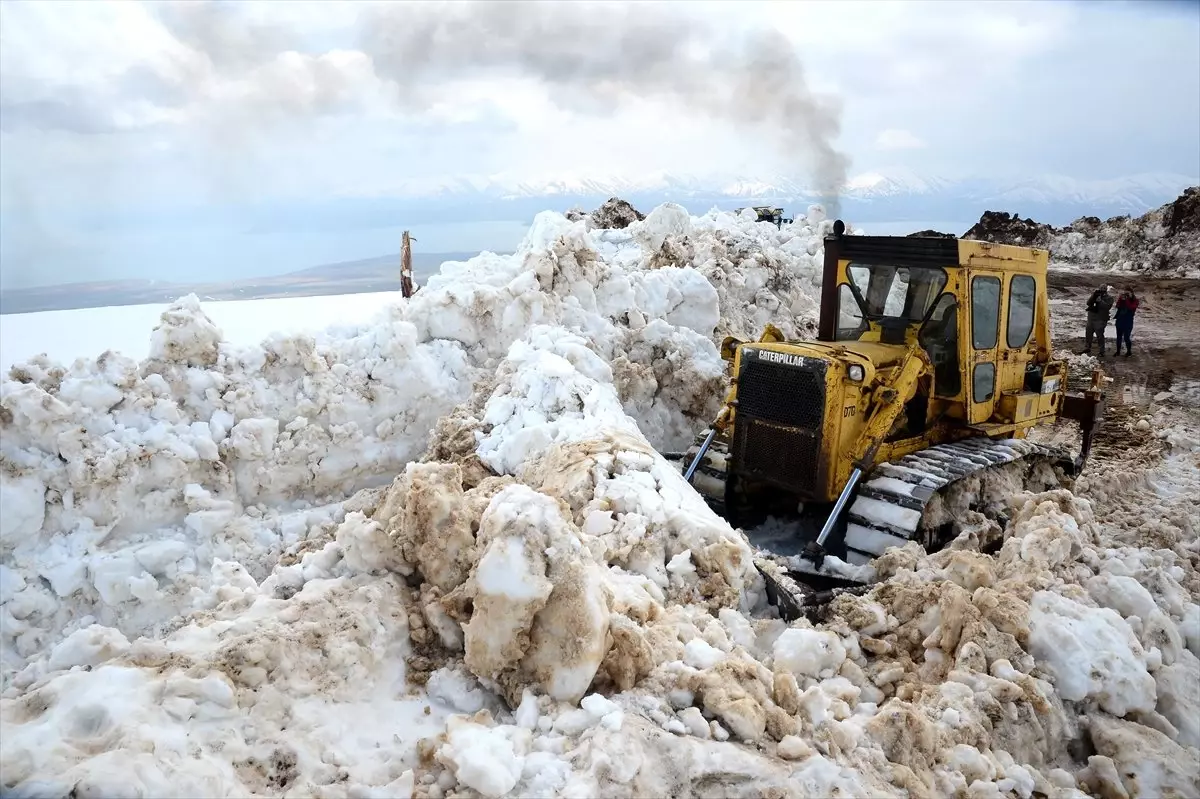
1163 371
1144 491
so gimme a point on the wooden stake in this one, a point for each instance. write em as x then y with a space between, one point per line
407 289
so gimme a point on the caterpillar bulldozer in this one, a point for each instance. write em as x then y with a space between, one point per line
931 364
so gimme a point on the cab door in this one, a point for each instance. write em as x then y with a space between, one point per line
1017 342
985 289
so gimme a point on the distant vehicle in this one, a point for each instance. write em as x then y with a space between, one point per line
768 214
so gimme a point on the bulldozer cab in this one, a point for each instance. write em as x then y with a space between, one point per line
977 310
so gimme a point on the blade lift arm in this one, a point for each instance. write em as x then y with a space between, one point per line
887 403
719 425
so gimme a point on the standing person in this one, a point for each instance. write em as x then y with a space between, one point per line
1127 305
1099 305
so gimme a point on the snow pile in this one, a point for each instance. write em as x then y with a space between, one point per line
582 624
583 567
125 485
539 605
1164 242
765 275
614 213
1061 643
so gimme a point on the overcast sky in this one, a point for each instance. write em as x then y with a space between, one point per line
142 107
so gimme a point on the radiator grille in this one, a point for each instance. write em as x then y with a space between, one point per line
777 437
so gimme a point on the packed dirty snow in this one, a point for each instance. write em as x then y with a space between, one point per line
125 484
439 554
1163 242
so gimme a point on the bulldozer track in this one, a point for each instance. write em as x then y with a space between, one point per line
891 506
896 502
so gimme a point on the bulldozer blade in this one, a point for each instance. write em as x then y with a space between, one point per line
798 594
782 592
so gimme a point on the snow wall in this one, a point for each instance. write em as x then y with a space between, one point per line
438 552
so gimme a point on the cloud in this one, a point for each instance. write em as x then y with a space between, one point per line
595 59
898 139
232 75
134 106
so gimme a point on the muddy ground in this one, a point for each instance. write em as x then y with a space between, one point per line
1165 361
1166 329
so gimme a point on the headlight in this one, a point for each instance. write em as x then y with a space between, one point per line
855 372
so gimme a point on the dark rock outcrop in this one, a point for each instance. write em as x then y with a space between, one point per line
616 214
1164 242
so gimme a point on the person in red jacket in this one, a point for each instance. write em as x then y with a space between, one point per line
1127 305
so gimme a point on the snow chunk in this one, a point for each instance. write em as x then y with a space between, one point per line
809 653
1091 654
89 647
23 500
699 654
484 758
668 219
185 335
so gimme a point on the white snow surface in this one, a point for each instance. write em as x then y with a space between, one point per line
67 334
125 484
439 553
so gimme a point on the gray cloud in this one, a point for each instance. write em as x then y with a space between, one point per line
592 59
213 27
27 105
601 56
67 108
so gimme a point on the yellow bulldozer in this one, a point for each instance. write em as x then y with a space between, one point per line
932 363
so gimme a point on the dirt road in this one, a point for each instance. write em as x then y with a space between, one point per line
1165 364
1166 330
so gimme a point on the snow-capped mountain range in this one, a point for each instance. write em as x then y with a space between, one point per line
889 194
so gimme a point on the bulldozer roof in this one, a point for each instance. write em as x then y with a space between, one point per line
930 251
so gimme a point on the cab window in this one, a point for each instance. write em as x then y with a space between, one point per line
985 312
939 338
886 291
1022 299
983 382
850 322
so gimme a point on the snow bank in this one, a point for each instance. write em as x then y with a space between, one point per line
129 487
1060 638
539 605
1163 242
584 625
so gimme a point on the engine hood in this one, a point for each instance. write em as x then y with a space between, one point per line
867 353
839 356
880 355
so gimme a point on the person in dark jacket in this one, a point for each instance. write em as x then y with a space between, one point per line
1127 305
1099 306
